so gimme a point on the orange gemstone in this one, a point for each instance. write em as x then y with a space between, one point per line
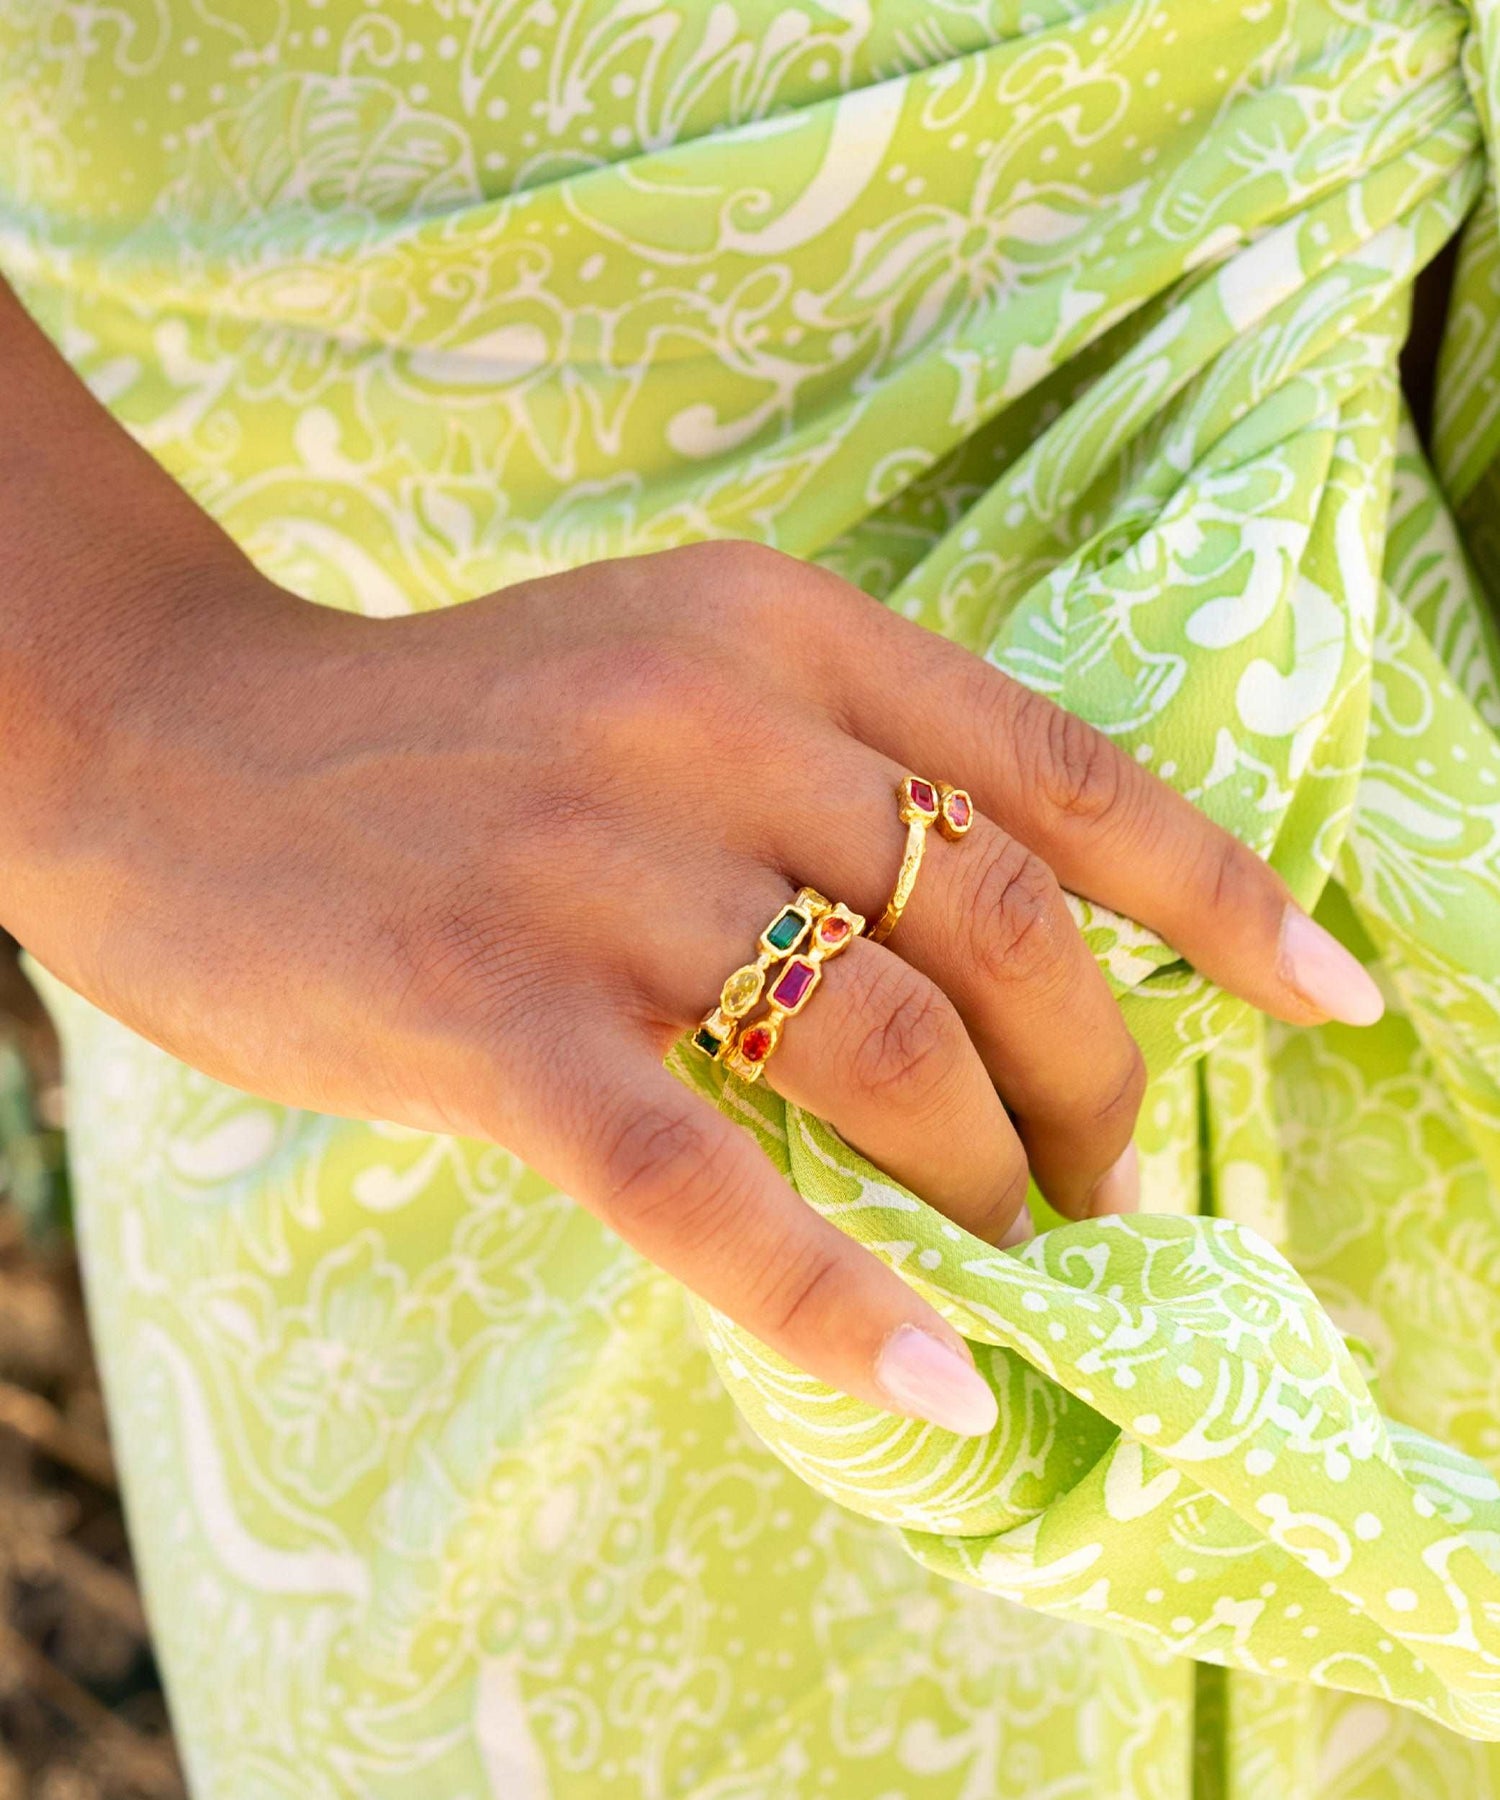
755 1044
832 930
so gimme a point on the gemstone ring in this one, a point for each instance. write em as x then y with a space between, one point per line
920 805
802 937
793 987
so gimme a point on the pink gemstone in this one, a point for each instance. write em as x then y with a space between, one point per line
923 796
959 810
793 984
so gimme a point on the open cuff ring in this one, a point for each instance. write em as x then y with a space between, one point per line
920 805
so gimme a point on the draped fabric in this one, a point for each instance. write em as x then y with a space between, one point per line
1071 331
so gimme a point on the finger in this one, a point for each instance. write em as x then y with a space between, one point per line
1108 828
882 1055
694 1194
879 1053
988 924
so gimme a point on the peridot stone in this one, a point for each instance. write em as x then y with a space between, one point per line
742 990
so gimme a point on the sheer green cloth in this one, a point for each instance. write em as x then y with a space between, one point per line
1071 331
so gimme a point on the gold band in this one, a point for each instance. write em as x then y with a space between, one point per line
718 1028
834 931
906 880
920 805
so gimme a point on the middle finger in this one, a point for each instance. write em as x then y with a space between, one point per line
987 922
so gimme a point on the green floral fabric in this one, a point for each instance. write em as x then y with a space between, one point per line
1070 330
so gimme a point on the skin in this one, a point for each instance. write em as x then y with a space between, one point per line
476 870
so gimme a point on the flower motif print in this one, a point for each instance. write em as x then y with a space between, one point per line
348 1368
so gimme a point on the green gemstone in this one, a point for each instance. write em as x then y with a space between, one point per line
707 1042
786 928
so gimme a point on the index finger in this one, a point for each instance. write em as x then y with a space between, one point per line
1109 829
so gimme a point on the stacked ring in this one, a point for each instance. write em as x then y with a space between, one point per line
826 929
793 987
716 1030
920 805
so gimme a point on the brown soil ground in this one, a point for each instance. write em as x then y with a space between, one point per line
81 1710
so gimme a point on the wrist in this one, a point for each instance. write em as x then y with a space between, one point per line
97 681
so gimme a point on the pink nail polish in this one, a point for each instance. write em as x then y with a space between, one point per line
1324 973
1022 1230
922 1375
1118 1189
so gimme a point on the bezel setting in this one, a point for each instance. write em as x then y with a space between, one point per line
836 930
714 1035
802 972
769 945
956 811
918 800
752 977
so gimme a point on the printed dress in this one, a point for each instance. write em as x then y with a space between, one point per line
1069 328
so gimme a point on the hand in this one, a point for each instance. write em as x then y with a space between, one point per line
475 871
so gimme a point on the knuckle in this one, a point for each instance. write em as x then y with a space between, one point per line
995 705
1081 772
730 556
907 1042
638 681
1229 872
630 700
1125 1100
794 1295
741 578
661 1161
1009 1197
1013 914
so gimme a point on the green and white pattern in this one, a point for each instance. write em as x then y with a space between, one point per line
1070 330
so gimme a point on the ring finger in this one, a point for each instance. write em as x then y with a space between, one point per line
881 1054
988 924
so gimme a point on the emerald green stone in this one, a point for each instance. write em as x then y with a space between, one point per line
707 1042
786 928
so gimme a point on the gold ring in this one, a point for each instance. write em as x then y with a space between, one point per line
920 805
835 930
717 1028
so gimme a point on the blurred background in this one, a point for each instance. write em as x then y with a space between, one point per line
81 1709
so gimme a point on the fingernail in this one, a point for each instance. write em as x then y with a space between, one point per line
1022 1227
1118 1189
1324 973
922 1375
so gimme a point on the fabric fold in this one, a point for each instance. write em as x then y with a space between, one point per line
1071 331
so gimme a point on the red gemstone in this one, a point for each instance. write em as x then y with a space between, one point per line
959 810
755 1044
794 984
832 930
922 796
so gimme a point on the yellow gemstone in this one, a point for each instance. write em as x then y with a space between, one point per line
742 990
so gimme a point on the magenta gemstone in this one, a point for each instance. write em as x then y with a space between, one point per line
793 984
958 809
922 795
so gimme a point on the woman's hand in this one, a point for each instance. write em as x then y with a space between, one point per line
475 871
